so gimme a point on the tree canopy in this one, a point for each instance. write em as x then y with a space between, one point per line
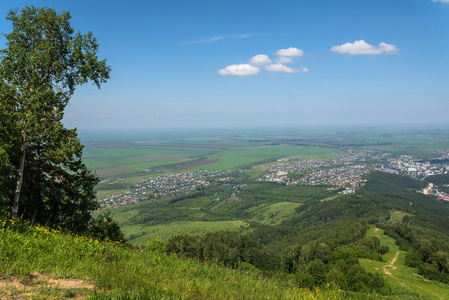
42 176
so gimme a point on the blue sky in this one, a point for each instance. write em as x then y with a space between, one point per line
222 64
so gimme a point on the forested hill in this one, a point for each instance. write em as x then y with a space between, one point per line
325 238
381 182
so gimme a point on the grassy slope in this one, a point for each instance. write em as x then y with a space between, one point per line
116 272
273 214
169 230
398 275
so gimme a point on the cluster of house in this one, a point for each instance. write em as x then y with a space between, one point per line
419 169
163 186
346 171
431 189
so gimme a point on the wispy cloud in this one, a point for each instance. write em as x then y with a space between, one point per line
363 48
220 38
442 1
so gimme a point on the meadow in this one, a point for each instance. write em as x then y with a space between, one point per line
398 275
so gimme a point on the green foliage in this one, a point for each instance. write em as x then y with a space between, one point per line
41 167
104 228
439 179
317 242
344 207
437 223
316 263
223 248
381 182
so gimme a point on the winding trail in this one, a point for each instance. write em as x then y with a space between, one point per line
391 265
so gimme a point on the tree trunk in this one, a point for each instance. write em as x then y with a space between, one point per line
15 205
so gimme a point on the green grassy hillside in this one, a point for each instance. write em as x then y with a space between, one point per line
401 277
39 263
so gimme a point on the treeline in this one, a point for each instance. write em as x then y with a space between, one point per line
318 263
223 248
311 265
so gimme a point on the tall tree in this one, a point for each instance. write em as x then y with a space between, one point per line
43 63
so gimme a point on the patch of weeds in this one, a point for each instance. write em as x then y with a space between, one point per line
70 293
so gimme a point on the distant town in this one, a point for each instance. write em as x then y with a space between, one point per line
345 173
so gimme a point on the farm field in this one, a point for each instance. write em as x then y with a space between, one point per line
124 160
120 153
239 158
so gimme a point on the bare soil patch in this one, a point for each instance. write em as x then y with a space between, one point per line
39 285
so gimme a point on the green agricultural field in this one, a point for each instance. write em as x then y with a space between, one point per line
240 158
398 275
112 161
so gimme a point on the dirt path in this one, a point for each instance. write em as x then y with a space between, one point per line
391 265
416 283
38 284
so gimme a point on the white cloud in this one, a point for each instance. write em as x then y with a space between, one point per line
442 1
284 60
280 68
219 38
361 47
290 52
239 70
260 60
